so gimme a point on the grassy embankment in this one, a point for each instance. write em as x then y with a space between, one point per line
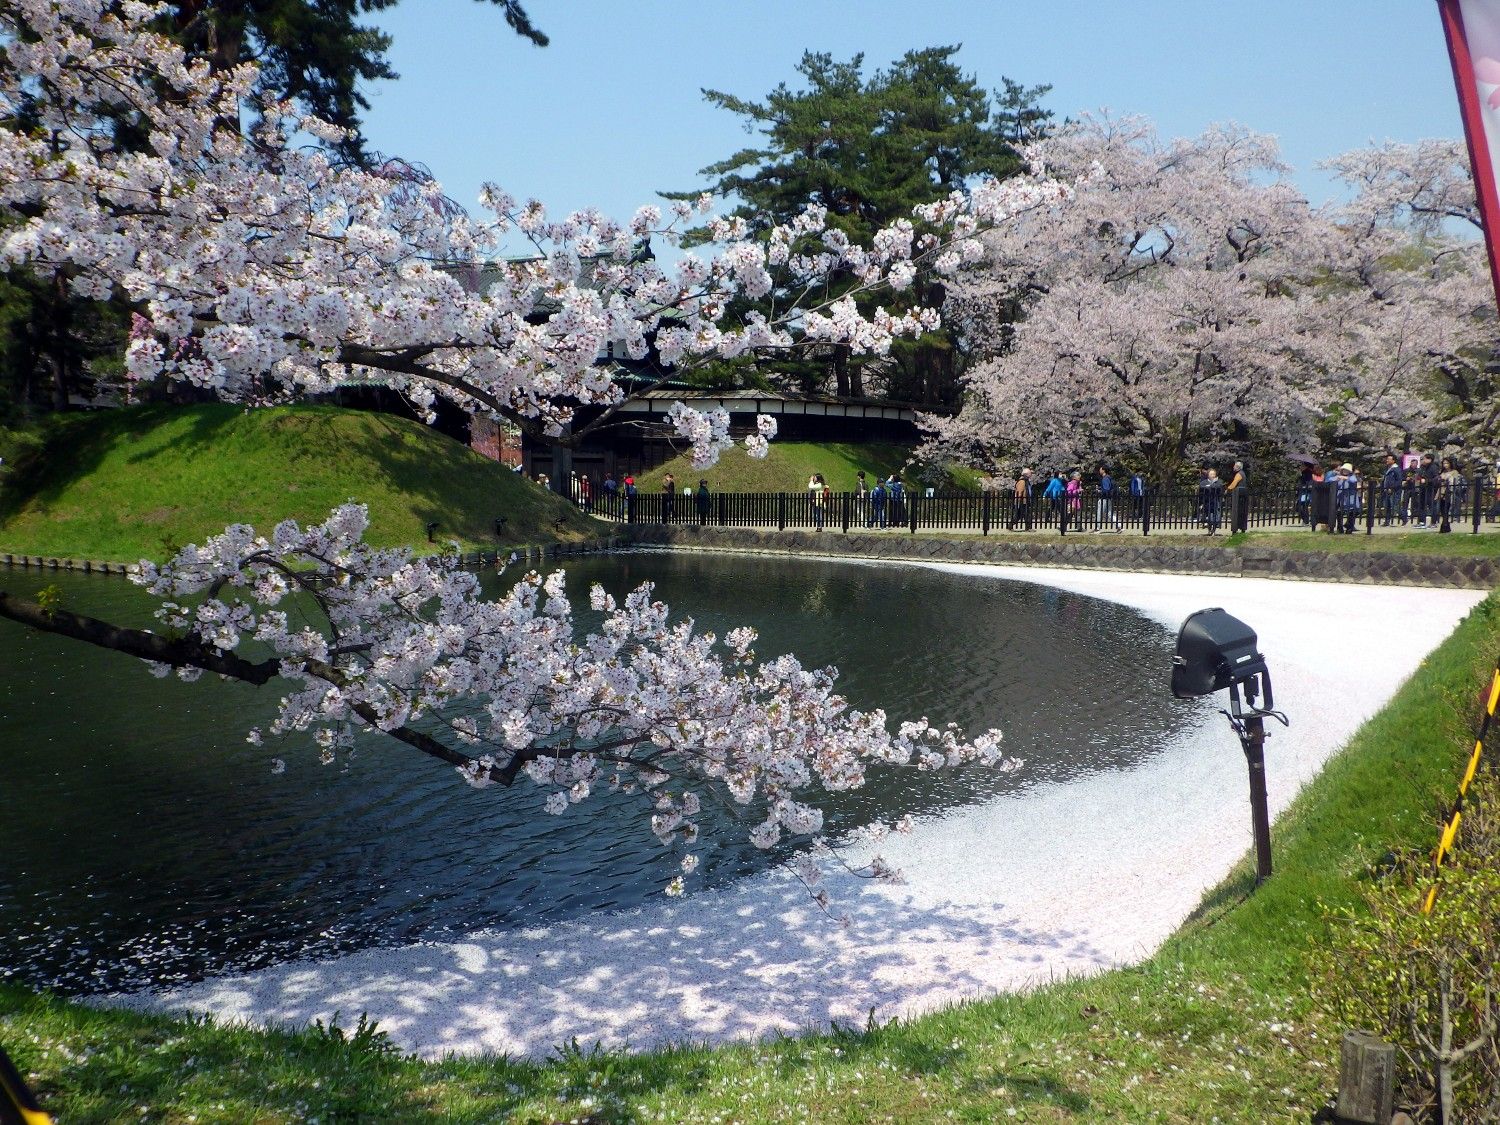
127 484
791 465
1221 1025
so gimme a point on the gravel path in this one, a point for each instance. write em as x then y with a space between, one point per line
1060 879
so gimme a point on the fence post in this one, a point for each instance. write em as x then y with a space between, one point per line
1145 509
1369 507
911 510
1474 487
848 502
781 511
984 512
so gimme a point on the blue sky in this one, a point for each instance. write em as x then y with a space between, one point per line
611 112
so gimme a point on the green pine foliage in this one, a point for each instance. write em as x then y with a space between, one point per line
869 148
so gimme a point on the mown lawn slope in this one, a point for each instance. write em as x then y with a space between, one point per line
135 483
790 465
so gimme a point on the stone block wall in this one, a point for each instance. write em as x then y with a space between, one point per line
1089 553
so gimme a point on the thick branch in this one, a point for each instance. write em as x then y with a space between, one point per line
190 652
184 652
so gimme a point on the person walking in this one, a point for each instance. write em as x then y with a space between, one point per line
1138 496
1428 475
611 492
1104 508
1390 490
703 501
1346 500
630 495
1238 491
1450 493
877 505
1074 492
1021 508
896 494
817 489
1411 487
1211 497
1305 481
668 498
586 495
1053 494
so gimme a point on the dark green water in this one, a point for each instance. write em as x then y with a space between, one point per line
142 841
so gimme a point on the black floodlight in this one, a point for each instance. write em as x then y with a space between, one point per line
1215 651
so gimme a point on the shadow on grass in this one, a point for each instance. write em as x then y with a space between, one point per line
176 467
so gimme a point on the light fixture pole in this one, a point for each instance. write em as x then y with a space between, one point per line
1216 651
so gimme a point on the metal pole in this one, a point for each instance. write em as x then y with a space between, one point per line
781 511
1474 487
984 513
1369 507
847 502
1145 509
1254 743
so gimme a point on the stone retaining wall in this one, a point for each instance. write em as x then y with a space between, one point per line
523 553
1375 567
49 562
1091 553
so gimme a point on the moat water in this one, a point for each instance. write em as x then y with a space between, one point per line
143 842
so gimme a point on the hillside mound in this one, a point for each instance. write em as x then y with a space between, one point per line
140 482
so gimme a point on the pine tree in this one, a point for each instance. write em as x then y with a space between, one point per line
869 149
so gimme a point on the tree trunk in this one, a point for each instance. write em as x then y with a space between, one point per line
61 324
841 373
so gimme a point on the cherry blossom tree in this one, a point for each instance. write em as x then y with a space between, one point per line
1183 298
1410 301
259 269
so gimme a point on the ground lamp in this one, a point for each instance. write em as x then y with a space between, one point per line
1216 651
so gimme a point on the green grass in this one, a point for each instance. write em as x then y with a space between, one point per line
788 468
1460 543
125 484
1222 1024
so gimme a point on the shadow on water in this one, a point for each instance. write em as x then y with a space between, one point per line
147 843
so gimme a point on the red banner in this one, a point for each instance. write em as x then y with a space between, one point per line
1473 31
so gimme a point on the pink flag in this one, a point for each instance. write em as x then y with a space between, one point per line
1473 30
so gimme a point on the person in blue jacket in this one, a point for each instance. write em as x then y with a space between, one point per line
877 504
1053 494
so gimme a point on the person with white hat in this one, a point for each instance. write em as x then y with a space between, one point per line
1346 499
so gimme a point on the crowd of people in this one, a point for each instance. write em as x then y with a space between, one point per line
1061 500
1416 490
1420 491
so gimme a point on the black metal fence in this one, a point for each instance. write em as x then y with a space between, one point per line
1466 505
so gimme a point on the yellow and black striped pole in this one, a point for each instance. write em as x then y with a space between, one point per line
17 1106
1450 830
